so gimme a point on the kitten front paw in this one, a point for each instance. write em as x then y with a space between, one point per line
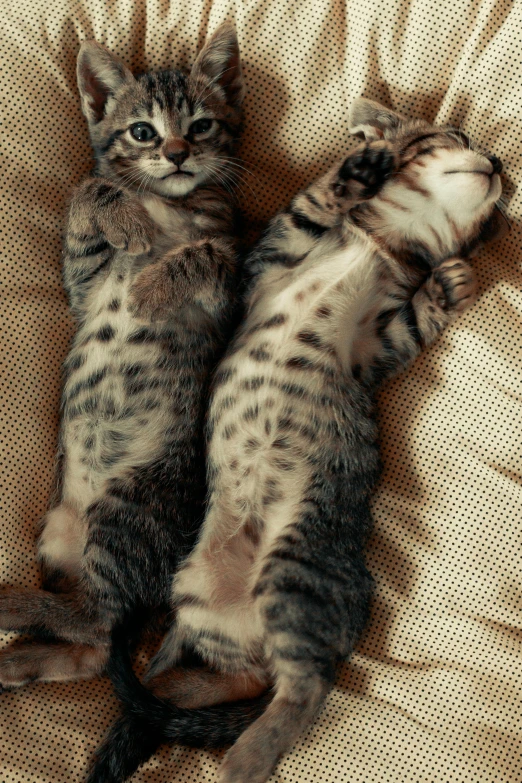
371 166
127 225
453 286
153 293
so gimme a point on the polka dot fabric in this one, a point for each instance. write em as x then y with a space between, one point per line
434 690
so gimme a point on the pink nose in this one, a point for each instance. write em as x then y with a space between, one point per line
176 150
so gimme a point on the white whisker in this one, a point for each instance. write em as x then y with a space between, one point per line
232 178
236 173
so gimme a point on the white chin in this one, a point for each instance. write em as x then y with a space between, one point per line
177 186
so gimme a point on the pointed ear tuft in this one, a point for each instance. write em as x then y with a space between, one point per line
100 75
372 120
219 61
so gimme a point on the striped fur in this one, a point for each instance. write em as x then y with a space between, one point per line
362 271
149 268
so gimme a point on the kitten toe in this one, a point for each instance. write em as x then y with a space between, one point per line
371 166
140 243
128 227
135 244
453 283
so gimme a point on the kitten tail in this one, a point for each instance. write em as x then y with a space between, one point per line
148 722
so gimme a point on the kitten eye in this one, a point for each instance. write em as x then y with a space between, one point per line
142 131
200 126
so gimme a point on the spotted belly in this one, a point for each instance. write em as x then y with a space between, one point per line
116 407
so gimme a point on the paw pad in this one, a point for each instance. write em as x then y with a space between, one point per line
371 166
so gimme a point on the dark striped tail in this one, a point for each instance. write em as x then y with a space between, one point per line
147 722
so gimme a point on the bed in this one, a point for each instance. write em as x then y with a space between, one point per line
434 688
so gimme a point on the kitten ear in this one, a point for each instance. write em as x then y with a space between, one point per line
372 120
100 75
219 61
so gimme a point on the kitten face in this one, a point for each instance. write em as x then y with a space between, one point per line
448 177
165 132
443 190
161 136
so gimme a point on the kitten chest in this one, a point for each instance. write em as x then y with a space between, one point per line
326 299
177 225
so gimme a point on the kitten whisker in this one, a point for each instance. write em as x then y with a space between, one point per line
232 175
215 177
502 208
233 163
232 178
244 162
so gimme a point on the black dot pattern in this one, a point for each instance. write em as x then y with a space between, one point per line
433 692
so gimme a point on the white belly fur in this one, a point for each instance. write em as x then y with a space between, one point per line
63 538
223 571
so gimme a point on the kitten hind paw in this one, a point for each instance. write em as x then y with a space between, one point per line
153 293
11 674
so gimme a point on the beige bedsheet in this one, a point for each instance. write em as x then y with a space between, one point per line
434 690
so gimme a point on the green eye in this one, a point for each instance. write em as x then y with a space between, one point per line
200 126
142 131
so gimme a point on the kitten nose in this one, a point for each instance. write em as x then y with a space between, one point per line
496 163
177 157
177 151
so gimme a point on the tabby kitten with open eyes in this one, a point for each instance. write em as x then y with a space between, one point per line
362 271
149 266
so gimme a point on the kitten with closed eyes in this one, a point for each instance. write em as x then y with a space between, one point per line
361 272
149 267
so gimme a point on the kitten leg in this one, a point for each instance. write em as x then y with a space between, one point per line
108 585
64 615
406 329
102 211
313 607
190 273
27 661
445 294
255 754
192 688
358 178
449 290
322 205
99 590
102 216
